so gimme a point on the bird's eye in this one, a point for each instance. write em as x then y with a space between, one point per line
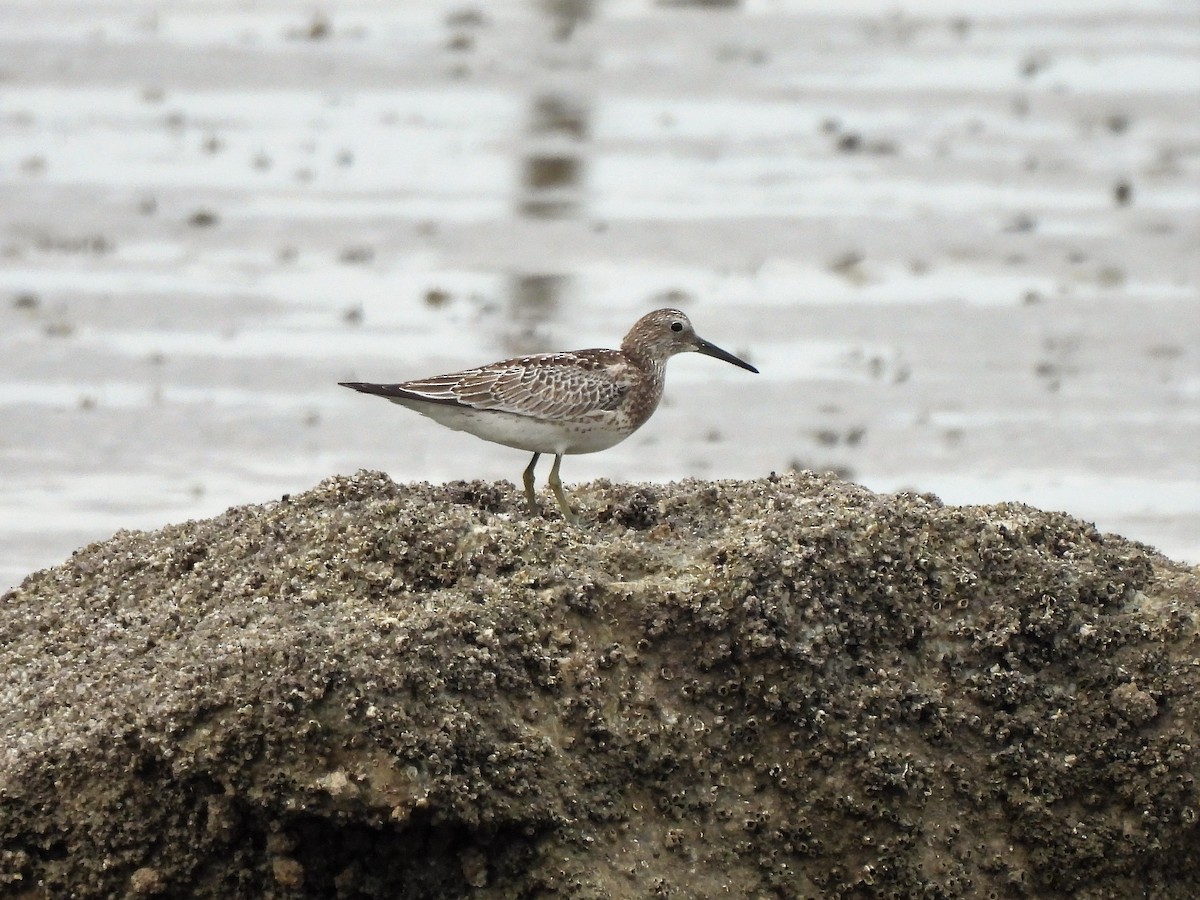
677 327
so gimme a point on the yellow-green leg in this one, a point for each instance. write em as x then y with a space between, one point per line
529 494
556 486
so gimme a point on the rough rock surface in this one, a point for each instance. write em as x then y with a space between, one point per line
789 687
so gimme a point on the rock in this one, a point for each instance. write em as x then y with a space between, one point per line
1135 705
146 881
288 873
785 687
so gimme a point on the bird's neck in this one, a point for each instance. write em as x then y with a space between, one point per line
648 389
653 365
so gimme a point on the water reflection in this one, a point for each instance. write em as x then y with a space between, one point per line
566 15
702 4
559 114
551 187
534 299
553 171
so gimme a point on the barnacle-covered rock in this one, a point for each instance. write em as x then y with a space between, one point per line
786 687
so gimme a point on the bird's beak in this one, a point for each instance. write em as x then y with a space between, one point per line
703 346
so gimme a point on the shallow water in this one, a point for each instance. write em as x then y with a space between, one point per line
964 250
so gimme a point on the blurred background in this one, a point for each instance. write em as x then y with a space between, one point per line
961 241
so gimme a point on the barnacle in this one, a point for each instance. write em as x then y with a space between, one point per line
787 686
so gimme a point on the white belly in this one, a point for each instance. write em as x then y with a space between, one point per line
522 432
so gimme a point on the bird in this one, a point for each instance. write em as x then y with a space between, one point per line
581 401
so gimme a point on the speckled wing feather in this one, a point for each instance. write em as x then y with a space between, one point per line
552 386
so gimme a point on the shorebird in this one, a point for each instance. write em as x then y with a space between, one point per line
577 402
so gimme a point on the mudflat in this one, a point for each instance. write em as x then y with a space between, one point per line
961 247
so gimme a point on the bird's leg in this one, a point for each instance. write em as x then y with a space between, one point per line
529 494
556 486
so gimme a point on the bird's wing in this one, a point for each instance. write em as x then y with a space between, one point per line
553 386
